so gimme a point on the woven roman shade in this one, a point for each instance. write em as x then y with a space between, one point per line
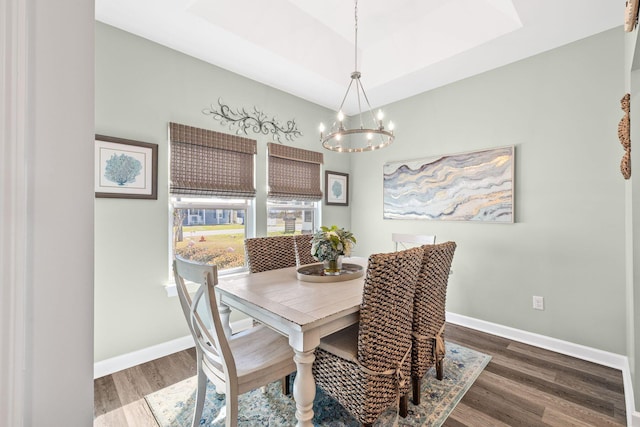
208 163
294 173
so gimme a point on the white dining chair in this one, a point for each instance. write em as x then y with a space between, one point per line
407 240
237 364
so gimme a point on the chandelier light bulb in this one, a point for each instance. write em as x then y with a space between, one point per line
380 115
340 115
369 136
338 136
391 125
321 127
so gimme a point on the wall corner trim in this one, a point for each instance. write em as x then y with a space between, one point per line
601 357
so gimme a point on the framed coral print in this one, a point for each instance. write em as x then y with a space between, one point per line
336 188
125 169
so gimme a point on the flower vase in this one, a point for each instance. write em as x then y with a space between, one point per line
332 267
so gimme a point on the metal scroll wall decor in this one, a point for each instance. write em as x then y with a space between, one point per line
624 135
242 121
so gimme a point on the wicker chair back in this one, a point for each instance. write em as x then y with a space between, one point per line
270 253
429 310
368 387
303 249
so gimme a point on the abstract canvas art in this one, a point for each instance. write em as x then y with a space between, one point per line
474 186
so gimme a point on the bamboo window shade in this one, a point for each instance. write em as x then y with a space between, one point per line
208 163
294 173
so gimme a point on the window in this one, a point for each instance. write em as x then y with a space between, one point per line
212 192
292 216
293 205
212 230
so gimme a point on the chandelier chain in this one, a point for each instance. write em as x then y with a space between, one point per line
356 35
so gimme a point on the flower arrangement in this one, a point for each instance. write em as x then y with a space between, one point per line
330 242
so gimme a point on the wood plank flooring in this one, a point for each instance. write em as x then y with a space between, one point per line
521 386
530 386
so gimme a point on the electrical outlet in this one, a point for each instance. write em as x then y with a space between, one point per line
538 303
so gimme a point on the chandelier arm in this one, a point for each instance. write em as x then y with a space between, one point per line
366 98
358 88
345 95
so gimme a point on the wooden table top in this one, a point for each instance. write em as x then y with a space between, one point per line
305 304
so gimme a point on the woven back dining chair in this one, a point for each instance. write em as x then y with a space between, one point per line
270 253
236 364
366 367
429 314
303 249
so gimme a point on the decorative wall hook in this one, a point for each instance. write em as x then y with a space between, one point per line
242 120
624 135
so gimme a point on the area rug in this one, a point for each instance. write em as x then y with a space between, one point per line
173 405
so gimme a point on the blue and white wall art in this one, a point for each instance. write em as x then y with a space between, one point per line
475 186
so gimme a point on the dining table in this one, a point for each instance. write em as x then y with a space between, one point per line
304 311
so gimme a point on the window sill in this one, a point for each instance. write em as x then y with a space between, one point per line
172 290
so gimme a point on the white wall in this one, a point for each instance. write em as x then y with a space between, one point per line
141 87
632 86
560 109
47 213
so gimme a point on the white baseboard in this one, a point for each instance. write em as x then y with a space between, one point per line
124 361
118 363
605 358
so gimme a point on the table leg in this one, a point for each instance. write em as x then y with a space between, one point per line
225 314
304 387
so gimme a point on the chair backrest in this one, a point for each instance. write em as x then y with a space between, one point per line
412 239
430 298
270 253
386 312
303 249
210 340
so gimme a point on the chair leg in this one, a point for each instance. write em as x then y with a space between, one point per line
415 382
286 385
403 410
440 369
201 393
367 425
231 400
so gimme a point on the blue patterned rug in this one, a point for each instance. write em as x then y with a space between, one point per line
173 405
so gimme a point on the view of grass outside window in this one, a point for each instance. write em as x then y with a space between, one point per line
211 231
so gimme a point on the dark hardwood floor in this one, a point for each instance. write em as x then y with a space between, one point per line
521 386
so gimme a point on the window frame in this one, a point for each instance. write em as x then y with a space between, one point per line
246 204
283 204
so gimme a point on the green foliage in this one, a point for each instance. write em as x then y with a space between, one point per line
331 242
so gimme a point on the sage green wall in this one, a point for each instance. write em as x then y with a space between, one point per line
560 109
141 87
632 86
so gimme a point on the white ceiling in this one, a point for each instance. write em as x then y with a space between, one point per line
405 47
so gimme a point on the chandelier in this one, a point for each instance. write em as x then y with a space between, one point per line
369 133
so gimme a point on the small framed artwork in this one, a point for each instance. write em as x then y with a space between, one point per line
125 169
336 188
